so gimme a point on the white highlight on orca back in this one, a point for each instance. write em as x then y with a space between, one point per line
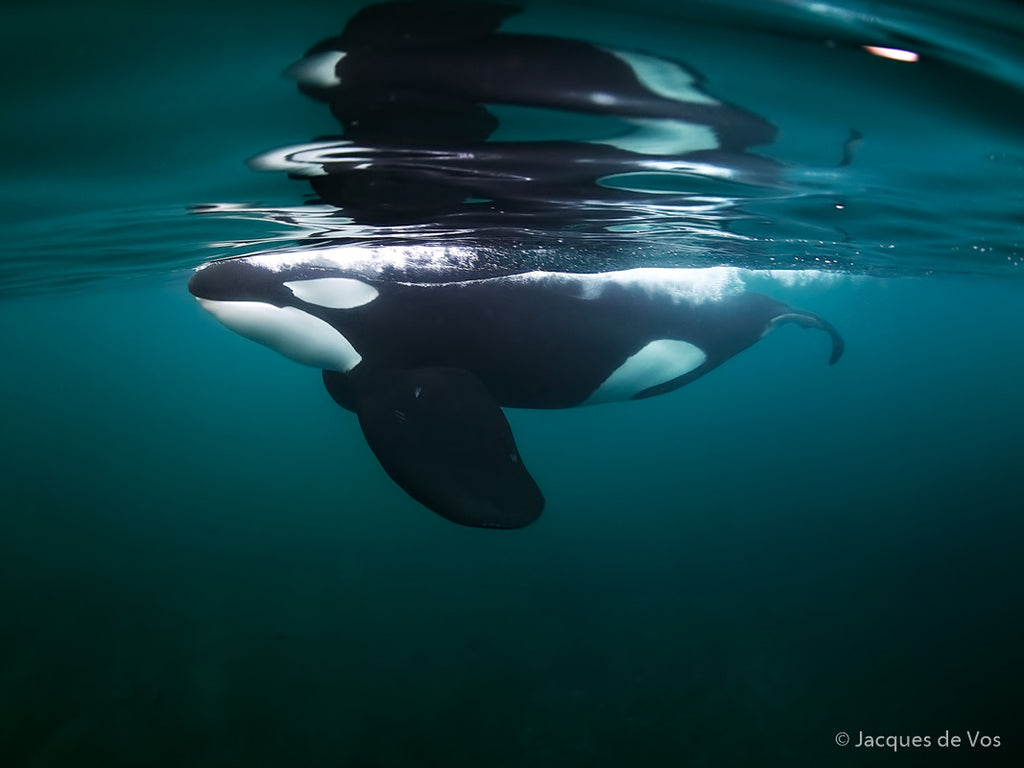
689 285
371 260
319 70
333 292
665 78
658 362
287 330
694 285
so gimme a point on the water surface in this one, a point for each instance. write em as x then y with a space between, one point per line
203 563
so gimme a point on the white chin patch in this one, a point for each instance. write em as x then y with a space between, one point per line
318 70
333 292
289 331
658 362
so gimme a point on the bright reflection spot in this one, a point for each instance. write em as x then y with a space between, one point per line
891 53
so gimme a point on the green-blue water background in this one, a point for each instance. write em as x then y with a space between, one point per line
202 563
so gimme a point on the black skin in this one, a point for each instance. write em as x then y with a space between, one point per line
439 361
531 345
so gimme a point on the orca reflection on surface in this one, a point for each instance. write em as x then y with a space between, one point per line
427 363
344 173
412 83
403 70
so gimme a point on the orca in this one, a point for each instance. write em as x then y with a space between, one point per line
423 72
426 353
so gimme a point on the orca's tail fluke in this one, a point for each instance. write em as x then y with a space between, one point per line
811 320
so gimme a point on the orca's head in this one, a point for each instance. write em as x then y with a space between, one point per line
285 305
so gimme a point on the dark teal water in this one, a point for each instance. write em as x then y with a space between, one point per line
203 564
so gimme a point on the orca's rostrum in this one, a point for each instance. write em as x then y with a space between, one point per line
427 363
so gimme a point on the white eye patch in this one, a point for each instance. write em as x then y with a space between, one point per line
333 292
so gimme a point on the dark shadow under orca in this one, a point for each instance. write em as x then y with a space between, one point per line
427 363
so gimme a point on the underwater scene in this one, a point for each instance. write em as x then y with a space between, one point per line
449 384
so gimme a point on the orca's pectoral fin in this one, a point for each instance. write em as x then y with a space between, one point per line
443 438
811 320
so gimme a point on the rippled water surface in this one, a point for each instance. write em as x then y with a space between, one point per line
203 564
